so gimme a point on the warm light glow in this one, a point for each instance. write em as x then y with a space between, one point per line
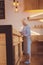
14 3
41 20
16 9
17 3
33 11
34 33
36 14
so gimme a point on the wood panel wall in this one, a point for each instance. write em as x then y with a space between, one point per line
33 4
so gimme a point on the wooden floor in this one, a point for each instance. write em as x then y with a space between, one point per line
24 58
36 59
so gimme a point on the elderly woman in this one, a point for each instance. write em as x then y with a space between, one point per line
26 39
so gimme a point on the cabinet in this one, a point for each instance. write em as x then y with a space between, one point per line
2 9
40 4
33 4
37 50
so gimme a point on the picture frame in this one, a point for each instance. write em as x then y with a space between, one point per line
2 9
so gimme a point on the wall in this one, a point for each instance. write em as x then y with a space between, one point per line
11 17
15 18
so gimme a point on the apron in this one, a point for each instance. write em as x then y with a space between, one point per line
27 45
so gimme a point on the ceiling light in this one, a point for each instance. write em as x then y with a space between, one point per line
16 4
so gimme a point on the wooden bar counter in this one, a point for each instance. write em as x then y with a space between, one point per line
17 47
37 50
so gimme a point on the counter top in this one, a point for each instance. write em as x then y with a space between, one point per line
37 38
15 32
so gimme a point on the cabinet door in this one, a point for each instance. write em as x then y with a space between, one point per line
30 4
40 4
33 4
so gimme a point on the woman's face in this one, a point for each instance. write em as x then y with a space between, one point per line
24 23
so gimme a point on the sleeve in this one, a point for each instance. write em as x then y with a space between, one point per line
27 32
21 30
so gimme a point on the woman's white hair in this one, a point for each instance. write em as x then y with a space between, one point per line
25 21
